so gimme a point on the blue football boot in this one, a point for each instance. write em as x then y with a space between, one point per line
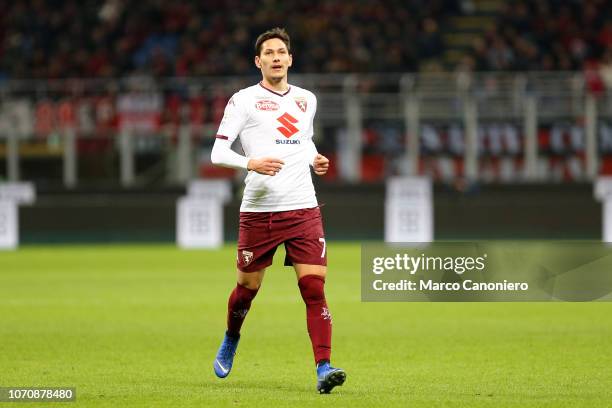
328 377
225 356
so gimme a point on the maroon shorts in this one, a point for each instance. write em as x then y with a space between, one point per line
260 233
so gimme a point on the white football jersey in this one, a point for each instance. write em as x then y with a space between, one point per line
271 124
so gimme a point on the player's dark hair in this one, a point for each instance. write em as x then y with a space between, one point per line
276 32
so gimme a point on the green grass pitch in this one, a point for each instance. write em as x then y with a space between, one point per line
140 325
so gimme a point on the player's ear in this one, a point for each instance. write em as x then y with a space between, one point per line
257 62
290 59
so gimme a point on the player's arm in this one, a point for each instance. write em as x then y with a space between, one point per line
317 161
223 155
234 119
321 165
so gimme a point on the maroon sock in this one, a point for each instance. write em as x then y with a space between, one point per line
237 307
318 318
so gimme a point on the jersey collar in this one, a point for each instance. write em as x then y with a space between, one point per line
274 92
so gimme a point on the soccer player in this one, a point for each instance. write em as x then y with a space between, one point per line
275 123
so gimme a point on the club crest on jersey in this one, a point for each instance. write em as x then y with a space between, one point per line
301 103
266 105
247 257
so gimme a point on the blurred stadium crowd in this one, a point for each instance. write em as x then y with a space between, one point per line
195 41
50 39
69 38
546 35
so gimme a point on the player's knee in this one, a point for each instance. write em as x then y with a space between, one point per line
251 280
312 288
251 285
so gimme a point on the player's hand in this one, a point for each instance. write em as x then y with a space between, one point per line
320 165
268 166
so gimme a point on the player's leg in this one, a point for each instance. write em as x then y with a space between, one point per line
240 299
238 306
311 281
307 252
256 248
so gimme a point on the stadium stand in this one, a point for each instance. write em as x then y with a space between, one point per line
45 39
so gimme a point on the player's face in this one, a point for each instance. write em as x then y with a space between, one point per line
274 59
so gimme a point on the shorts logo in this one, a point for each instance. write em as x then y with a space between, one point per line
301 103
247 257
266 105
